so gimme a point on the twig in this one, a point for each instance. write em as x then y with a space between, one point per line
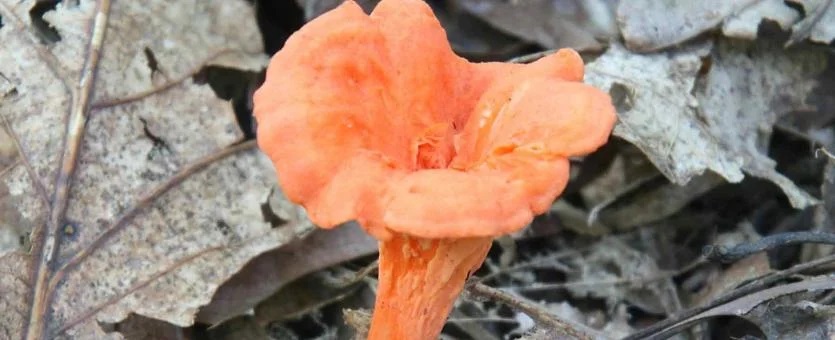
623 281
530 57
759 284
353 277
545 260
825 152
46 244
723 254
485 319
745 304
24 159
542 316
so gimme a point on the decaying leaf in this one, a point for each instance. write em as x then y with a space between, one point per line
793 317
304 296
748 87
657 112
137 327
14 283
724 123
315 8
474 39
582 25
612 260
271 271
819 23
243 327
738 273
126 173
746 23
824 215
649 25
745 304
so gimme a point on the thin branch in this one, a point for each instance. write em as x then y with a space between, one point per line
723 254
45 245
630 281
750 288
5 171
354 277
825 152
541 315
145 201
744 304
534 263
480 320
527 58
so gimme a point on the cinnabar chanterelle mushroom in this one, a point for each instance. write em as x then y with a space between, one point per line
373 118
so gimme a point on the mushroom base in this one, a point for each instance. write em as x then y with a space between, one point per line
419 281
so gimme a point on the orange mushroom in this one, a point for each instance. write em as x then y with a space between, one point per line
373 118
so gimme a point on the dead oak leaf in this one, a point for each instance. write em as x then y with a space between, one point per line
128 176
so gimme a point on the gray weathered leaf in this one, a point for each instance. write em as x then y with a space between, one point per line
795 317
745 24
551 23
612 260
133 187
819 23
649 25
657 112
315 8
725 126
747 89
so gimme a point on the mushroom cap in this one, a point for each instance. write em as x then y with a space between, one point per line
373 118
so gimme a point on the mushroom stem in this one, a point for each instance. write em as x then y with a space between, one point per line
419 280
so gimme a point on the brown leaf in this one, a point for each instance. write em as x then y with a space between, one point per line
273 270
303 296
125 172
243 327
137 327
738 273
